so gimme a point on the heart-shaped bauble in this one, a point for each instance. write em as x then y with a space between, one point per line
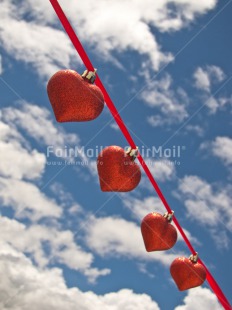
187 273
73 97
117 170
158 234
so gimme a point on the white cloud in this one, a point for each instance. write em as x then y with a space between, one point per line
200 298
140 208
196 129
208 205
27 200
214 104
110 236
126 299
162 170
114 126
35 41
221 238
172 104
132 33
202 80
17 161
212 200
23 285
206 77
49 245
158 13
8 133
44 48
216 73
156 121
66 199
37 123
75 209
222 148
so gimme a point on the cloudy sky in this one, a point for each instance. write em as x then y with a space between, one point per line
167 66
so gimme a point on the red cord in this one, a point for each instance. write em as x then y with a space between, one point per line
78 46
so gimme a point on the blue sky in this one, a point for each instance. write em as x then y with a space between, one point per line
167 66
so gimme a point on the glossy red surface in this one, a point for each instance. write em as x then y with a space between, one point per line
158 234
117 171
187 274
74 99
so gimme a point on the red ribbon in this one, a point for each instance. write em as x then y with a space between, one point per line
82 53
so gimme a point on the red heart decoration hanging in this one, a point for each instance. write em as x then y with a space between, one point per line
187 272
117 170
73 97
158 234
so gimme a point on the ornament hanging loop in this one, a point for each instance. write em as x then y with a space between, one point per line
133 153
169 216
194 258
90 76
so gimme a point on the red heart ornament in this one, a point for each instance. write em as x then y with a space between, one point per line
117 170
187 273
73 97
158 234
